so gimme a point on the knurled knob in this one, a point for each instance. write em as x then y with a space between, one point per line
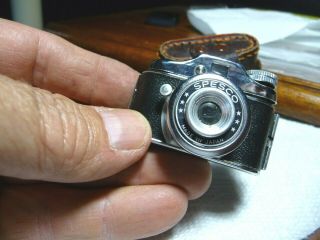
264 77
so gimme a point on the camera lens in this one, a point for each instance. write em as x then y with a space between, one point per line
209 113
206 115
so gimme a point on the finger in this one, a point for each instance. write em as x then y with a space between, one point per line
49 137
161 166
49 62
158 166
52 212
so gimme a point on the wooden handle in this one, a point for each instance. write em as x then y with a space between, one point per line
299 99
126 37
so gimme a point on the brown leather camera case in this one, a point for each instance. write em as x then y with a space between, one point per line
128 38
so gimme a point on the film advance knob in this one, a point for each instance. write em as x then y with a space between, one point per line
264 77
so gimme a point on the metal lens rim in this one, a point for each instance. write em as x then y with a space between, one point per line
210 95
176 133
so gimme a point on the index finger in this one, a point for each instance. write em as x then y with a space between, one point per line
50 62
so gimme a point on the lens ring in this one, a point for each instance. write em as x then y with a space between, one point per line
217 97
182 135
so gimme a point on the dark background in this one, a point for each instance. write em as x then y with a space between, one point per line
54 10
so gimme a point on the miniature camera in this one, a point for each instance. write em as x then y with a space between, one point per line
211 108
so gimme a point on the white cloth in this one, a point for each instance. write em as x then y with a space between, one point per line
282 202
266 26
289 43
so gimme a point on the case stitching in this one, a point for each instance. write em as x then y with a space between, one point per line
220 41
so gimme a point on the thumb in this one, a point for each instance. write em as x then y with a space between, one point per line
49 137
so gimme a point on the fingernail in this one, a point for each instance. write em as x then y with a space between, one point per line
127 130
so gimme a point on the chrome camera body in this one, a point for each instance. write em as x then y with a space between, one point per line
210 107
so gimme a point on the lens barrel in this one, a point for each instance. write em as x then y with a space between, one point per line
207 115
216 112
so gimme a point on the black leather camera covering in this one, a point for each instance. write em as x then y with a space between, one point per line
248 156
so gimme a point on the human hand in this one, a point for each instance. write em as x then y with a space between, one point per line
48 140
